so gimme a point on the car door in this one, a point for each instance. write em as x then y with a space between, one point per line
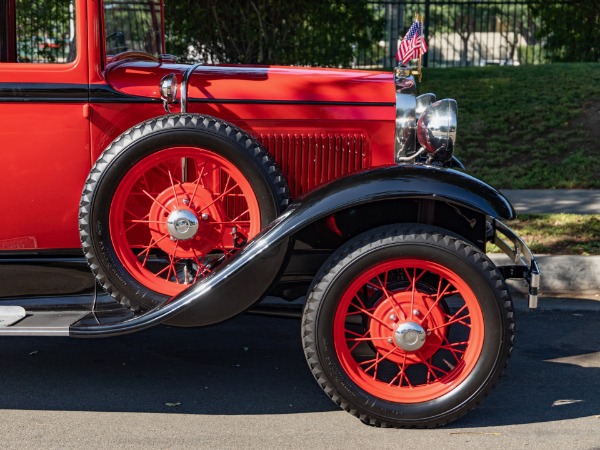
44 124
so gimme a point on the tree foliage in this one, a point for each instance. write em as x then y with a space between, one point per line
312 32
571 30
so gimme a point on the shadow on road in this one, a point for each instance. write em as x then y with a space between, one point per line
554 373
253 365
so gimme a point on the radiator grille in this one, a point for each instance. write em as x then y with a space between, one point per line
309 160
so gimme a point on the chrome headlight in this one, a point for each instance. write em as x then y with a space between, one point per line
436 129
424 101
168 90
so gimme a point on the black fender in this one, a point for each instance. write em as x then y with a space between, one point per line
238 283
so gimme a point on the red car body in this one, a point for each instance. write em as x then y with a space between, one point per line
58 118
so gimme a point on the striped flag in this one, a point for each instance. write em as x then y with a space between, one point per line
413 45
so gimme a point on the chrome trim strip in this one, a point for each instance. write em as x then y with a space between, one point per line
34 331
406 120
520 254
184 86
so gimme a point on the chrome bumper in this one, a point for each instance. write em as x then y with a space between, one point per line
525 267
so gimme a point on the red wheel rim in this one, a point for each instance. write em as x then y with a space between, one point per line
408 330
177 213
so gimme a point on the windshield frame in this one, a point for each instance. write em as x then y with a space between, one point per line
159 32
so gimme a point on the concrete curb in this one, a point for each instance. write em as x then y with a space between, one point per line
568 283
572 277
562 275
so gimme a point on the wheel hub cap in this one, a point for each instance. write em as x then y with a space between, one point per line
182 224
409 336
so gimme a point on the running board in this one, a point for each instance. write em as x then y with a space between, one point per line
38 323
16 321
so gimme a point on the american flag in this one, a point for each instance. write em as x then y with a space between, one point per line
413 45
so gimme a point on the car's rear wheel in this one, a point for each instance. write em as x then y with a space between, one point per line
169 200
408 326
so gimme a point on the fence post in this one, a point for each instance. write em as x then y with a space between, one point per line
426 31
395 19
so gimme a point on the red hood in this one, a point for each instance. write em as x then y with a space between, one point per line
280 84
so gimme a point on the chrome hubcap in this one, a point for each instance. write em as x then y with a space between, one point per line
409 336
182 224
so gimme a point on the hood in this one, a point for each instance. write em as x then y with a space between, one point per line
228 83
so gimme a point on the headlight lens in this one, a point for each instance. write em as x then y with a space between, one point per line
436 129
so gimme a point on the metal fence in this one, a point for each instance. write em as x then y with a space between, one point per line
45 31
460 33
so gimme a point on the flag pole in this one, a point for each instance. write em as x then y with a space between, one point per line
420 55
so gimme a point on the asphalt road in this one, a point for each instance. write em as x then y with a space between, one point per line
245 384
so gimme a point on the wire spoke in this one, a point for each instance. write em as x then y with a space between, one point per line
376 361
156 201
383 286
167 171
353 332
456 353
173 188
362 338
362 305
450 322
401 374
220 195
138 221
173 260
456 315
153 244
240 216
199 179
376 319
160 272
231 222
430 369
439 295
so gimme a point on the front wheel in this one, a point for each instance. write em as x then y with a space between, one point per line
408 326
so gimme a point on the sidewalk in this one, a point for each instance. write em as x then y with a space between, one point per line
548 201
562 275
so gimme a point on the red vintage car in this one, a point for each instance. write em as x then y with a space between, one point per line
193 191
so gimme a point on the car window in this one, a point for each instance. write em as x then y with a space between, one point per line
133 25
45 31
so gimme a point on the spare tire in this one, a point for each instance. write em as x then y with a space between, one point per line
170 199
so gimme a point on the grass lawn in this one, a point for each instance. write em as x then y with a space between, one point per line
558 234
526 127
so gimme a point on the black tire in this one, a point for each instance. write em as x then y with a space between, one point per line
151 140
345 328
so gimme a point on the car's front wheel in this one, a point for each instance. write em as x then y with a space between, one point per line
408 326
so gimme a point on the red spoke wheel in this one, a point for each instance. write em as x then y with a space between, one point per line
420 326
171 199
178 211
